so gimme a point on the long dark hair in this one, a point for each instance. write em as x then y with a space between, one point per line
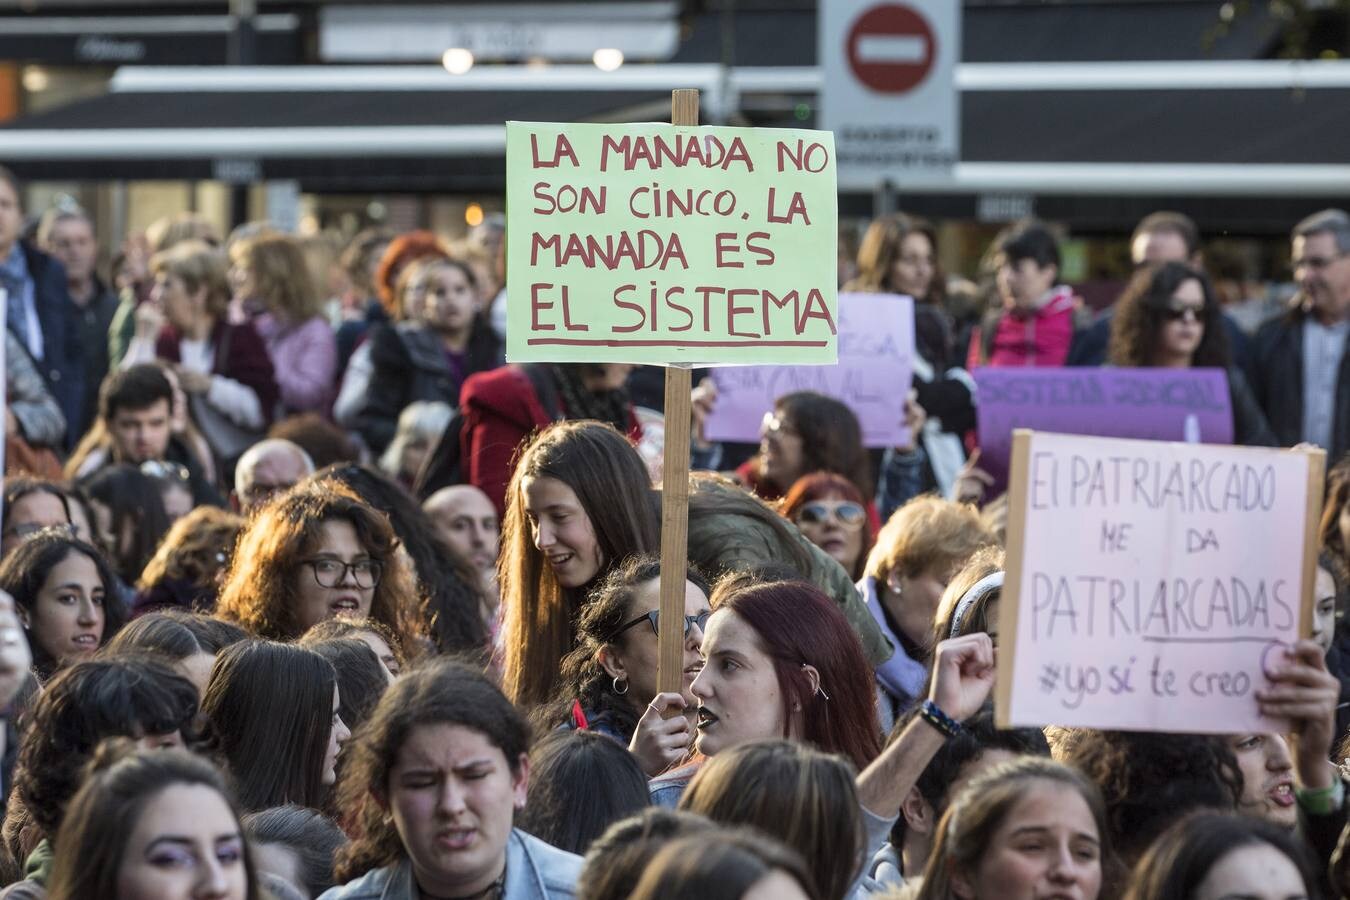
136 506
880 248
581 676
580 783
798 626
831 437
612 485
1179 861
128 696
439 692
103 815
269 713
361 677
449 583
1139 318
26 569
312 837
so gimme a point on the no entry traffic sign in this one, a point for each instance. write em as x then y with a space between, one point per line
891 48
889 90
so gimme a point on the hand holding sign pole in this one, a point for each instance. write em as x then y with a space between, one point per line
675 489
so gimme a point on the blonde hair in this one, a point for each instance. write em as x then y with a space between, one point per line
927 534
198 265
281 275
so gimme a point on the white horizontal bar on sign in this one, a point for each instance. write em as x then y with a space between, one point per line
892 48
217 143
1179 179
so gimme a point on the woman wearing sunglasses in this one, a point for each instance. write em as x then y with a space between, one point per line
1169 317
830 512
609 680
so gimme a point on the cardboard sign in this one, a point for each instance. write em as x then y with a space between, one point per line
670 244
876 352
1151 585
1191 405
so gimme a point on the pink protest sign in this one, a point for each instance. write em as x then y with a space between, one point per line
1150 585
876 349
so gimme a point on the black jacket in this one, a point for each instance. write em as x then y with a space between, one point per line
62 363
408 363
1276 378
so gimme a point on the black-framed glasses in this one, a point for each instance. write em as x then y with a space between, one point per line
653 619
330 572
848 514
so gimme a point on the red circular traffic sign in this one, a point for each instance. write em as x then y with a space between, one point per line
891 48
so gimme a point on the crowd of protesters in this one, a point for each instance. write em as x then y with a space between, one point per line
306 593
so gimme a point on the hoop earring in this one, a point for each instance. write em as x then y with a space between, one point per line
617 681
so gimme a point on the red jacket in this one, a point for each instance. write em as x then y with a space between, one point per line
1038 337
501 409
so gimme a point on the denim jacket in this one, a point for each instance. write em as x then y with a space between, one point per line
534 871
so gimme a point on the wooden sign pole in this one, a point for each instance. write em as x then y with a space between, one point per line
675 487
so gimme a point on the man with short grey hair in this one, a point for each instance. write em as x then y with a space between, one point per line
1300 370
268 468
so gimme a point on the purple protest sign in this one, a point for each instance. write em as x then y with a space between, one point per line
876 350
1190 405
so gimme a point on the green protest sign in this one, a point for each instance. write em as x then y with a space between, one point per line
662 244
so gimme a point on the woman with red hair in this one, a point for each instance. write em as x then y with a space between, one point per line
780 661
831 513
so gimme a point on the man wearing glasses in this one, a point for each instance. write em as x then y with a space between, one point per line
1300 370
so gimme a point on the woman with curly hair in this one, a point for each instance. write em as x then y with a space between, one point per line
1169 317
609 680
314 553
185 571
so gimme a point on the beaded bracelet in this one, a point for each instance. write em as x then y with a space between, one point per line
931 713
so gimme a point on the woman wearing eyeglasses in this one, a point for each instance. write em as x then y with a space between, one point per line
315 553
832 515
609 680
1169 317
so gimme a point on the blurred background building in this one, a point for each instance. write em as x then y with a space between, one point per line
330 116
